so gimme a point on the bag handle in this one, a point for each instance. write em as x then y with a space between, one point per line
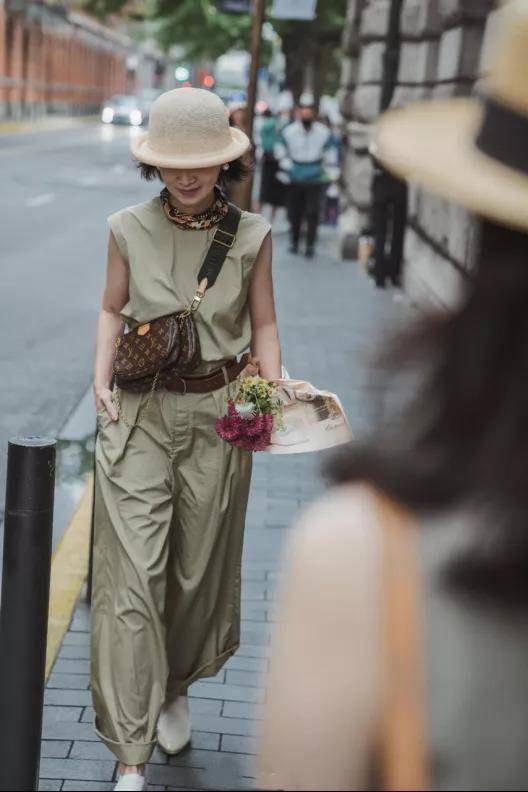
221 244
404 764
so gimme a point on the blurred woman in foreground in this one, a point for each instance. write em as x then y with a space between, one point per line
400 660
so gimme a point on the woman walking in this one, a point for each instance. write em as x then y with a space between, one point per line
171 495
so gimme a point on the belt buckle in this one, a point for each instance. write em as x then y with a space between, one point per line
184 383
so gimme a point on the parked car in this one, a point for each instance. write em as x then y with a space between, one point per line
145 97
123 109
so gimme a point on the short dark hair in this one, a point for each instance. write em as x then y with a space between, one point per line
239 170
463 437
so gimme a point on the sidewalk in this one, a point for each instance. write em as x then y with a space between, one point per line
329 316
45 124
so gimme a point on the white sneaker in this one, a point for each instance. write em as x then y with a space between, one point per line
174 726
131 781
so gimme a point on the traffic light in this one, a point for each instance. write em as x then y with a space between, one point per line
182 74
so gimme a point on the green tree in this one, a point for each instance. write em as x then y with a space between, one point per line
311 49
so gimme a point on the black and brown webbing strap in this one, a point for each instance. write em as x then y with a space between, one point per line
404 764
221 244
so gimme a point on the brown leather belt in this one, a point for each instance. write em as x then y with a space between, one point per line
208 382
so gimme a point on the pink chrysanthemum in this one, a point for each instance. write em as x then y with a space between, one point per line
253 434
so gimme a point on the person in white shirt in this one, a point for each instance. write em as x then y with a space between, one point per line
305 147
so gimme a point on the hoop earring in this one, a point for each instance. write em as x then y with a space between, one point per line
225 167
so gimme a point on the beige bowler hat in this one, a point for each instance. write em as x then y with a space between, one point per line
472 151
189 128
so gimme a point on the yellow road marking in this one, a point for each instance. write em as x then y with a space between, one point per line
69 567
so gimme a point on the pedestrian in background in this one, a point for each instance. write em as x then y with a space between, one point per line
171 496
303 148
272 191
400 659
236 191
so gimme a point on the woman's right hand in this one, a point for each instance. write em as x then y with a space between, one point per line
104 401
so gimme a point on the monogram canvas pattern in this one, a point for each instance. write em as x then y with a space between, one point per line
170 346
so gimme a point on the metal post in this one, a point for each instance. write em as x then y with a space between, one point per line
89 577
256 40
24 607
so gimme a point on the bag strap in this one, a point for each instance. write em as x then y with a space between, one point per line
222 242
404 762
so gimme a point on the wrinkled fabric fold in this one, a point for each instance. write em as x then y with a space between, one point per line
170 505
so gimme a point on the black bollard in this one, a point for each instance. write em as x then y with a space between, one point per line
24 607
89 577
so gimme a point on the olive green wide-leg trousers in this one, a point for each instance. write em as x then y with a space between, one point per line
170 506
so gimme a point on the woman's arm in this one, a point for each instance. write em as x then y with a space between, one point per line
109 327
321 715
265 344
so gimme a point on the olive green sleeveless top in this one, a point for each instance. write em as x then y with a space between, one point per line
164 261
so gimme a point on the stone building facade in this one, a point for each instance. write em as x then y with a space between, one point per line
442 47
55 59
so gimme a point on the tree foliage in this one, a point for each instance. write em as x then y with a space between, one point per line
311 49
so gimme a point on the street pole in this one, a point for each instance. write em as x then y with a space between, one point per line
24 607
256 40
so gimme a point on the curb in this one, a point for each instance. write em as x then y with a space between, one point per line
69 568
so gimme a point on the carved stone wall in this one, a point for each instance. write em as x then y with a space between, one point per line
441 55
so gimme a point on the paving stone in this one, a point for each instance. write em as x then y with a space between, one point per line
71 666
253 650
69 681
68 731
227 692
253 612
238 744
74 652
83 749
47 785
93 770
221 725
250 678
76 639
247 625
239 709
55 749
67 698
220 677
240 663
254 638
53 714
205 741
207 770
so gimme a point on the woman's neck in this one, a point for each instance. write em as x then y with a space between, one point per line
195 208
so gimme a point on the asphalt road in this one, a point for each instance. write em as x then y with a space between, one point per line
58 189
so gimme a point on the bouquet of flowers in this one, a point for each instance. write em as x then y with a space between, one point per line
251 414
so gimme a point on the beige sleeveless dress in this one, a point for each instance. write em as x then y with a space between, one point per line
171 496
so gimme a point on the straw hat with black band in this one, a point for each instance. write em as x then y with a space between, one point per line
471 151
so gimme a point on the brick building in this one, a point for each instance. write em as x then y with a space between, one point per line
439 51
54 59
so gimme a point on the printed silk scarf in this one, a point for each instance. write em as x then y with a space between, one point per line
209 217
